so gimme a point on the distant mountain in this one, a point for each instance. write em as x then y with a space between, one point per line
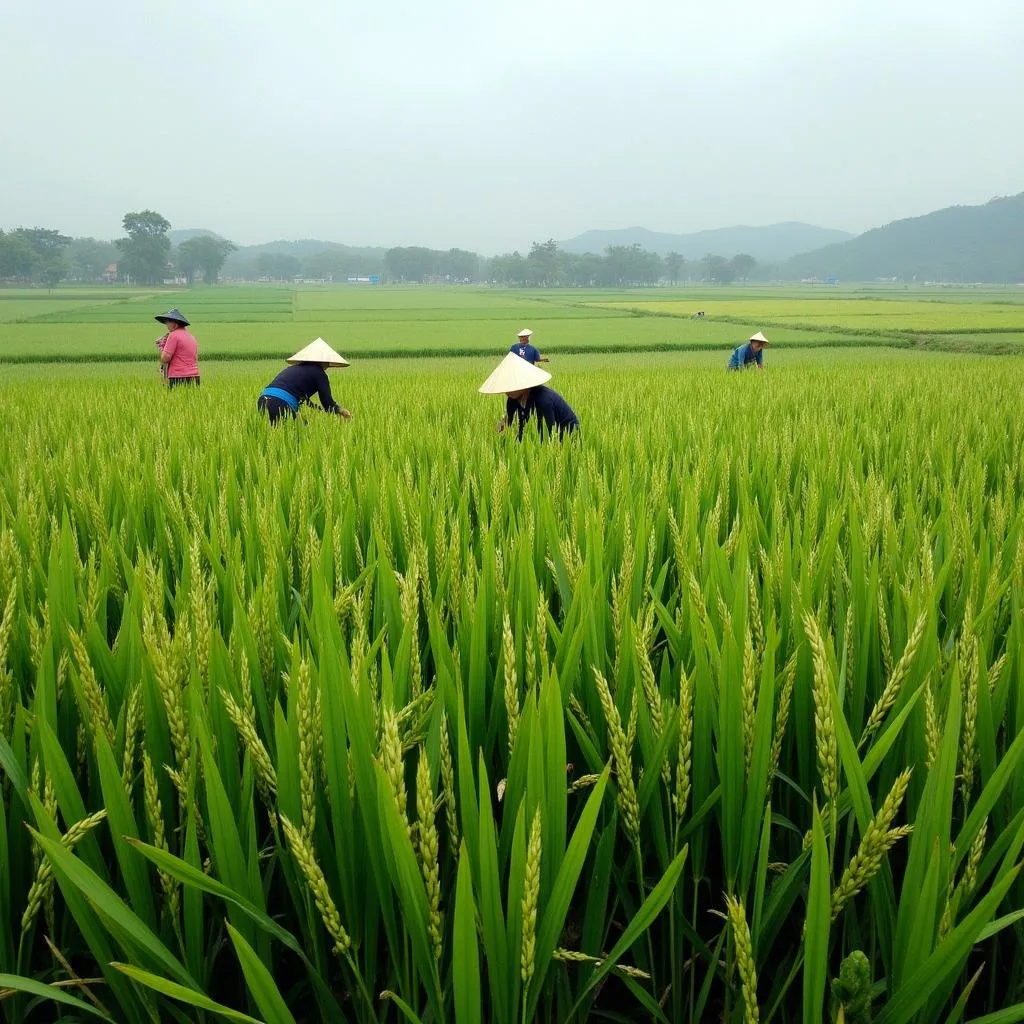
310 247
958 244
770 244
300 249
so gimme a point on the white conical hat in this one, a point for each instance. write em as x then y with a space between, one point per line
524 333
319 352
760 337
513 374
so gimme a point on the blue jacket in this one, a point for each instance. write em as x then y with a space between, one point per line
743 356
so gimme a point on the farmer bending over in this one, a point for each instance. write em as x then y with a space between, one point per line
297 383
523 384
749 354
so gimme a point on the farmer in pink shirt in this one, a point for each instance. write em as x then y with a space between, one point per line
178 350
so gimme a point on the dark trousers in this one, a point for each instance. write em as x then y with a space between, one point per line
274 408
173 382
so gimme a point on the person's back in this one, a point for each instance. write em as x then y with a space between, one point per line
526 351
304 376
303 381
551 409
745 355
750 353
183 350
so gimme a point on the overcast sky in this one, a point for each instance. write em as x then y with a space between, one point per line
488 125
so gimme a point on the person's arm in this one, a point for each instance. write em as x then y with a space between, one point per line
167 350
759 359
503 424
327 399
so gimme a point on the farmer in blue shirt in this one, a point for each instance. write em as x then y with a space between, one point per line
525 350
749 354
523 384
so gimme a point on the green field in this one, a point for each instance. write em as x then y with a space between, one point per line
249 322
399 719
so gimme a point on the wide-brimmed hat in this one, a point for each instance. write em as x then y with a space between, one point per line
761 338
172 314
513 374
319 352
524 333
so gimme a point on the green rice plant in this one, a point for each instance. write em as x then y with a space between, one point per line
400 719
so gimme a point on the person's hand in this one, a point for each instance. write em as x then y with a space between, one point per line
502 424
345 414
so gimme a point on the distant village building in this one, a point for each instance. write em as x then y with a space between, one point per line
110 274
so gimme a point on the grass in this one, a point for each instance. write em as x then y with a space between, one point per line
399 719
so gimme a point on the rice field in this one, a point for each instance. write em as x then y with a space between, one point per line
912 316
239 323
713 713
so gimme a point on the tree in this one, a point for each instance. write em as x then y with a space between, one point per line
277 266
632 265
742 265
46 243
673 266
203 253
17 258
338 264
88 258
146 247
462 265
186 259
719 269
54 271
507 269
544 263
413 263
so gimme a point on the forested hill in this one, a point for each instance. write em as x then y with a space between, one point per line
959 244
771 243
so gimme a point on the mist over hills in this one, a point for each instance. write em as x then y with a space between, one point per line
773 243
958 244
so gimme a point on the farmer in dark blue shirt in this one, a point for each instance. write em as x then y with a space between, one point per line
298 382
525 350
749 354
523 384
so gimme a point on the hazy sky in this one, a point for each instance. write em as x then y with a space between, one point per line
487 125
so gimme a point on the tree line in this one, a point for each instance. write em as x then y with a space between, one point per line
548 266
143 256
146 256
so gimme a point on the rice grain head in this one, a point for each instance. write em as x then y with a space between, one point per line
531 893
744 958
304 856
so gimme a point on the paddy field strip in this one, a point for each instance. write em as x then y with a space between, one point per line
247 322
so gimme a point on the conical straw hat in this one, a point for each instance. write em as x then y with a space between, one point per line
513 374
525 333
760 337
172 314
319 352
